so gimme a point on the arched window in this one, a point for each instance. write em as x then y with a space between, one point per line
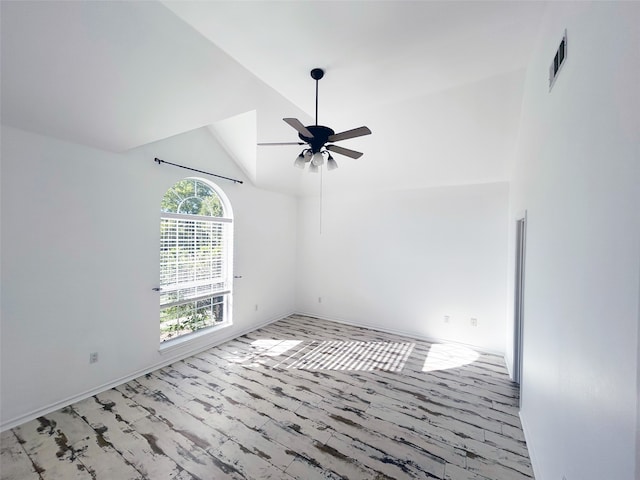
196 229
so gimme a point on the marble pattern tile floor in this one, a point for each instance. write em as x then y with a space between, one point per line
301 398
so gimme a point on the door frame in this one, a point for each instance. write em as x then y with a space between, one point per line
518 296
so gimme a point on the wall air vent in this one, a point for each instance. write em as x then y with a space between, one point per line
558 61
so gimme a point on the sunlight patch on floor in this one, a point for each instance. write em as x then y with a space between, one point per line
263 347
354 355
443 356
274 347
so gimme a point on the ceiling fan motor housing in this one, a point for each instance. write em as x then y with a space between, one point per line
321 135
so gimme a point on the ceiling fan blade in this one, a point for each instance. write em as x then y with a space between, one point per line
281 143
356 132
297 124
344 151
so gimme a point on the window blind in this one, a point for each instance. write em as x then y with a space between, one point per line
192 259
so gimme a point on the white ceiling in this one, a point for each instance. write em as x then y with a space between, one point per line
438 83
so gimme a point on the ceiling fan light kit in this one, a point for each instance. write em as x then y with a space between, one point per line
317 136
300 162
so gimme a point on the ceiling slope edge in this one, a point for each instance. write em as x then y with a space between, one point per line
115 97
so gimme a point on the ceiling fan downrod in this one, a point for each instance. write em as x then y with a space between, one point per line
317 74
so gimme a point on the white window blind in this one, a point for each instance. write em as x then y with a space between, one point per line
192 258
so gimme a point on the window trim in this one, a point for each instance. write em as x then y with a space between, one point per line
227 272
203 218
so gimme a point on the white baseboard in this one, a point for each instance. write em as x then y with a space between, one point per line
509 363
167 360
180 354
532 455
402 333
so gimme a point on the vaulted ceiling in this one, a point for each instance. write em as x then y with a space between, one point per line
438 83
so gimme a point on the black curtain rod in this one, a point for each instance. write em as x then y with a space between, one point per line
159 161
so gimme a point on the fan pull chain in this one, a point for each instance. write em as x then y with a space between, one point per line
321 169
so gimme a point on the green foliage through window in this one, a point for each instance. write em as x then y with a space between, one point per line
189 317
193 197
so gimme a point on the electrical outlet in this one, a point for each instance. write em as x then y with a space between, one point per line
319 299
474 322
93 357
446 319
256 307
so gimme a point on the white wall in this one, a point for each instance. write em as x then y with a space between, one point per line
402 260
578 177
80 237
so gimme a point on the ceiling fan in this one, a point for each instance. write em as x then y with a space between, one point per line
316 137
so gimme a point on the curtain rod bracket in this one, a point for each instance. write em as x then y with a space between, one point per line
160 161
